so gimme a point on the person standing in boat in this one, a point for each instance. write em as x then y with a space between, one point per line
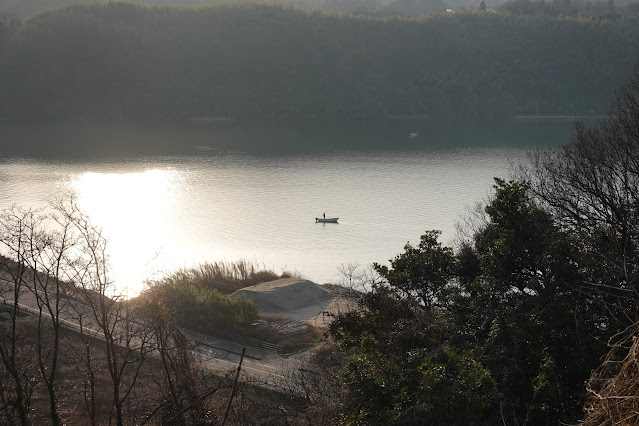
324 215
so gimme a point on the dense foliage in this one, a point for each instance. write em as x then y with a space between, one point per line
199 295
506 305
124 61
204 305
508 327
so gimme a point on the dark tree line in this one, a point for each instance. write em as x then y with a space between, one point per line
598 8
124 61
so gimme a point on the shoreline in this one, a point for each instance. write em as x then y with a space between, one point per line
558 117
227 120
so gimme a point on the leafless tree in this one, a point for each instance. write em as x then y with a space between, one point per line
18 376
356 280
592 187
20 239
181 373
46 257
104 308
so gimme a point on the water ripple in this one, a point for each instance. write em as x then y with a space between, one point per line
262 208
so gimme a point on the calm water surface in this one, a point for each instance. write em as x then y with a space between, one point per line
163 212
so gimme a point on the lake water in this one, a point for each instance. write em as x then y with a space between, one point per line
256 192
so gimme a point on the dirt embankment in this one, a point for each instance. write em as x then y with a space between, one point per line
295 298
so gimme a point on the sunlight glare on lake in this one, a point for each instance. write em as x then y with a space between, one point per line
133 211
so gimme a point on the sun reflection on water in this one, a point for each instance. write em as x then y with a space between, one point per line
133 211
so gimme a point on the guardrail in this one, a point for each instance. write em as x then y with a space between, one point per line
232 337
70 325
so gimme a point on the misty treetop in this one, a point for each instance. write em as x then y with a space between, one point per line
125 61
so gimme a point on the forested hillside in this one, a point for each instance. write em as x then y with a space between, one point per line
124 61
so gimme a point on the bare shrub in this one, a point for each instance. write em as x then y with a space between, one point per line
613 389
226 277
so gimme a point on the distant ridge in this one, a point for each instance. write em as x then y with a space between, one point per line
256 61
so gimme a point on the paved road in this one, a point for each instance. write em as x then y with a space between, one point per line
216 354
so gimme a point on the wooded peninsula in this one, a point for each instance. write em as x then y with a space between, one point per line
120 61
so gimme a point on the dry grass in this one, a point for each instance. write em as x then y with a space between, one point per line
226 277
613 389
71 379
268 331
301 342
253 403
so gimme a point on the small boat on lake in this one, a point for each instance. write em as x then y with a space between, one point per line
412 134
326 219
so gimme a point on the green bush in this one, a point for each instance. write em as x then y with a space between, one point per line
203 305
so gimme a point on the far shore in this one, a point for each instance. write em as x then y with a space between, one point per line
558 117
230 120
